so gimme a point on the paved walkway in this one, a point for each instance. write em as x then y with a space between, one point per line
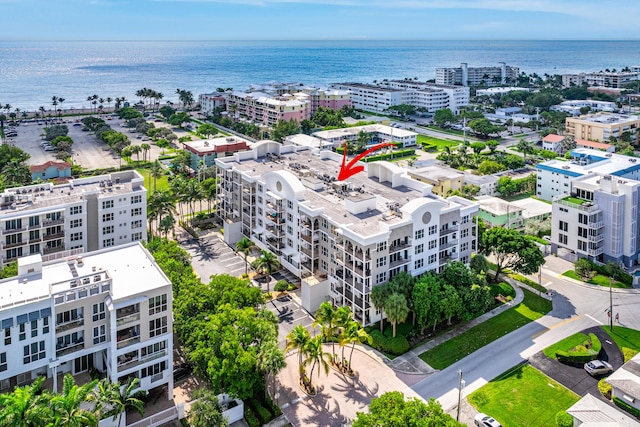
410 362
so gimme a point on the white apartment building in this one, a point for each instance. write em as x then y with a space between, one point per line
340 237
573 107
555 176
609 79
108 310
598 220
381 96
211 101
493 91
477 76
378 133
84 214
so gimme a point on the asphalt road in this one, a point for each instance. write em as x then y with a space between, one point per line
290 314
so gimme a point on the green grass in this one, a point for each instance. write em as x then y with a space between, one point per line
598 279
162 182
451 131
437 142
566 344
628 340
531 308
523 397
574 200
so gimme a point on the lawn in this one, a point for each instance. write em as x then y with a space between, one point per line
532 308
162 182
567 344
628 340
598 279
437 142
523 397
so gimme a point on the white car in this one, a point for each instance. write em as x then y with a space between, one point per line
598 367
484 420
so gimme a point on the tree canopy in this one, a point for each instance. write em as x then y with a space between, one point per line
512 250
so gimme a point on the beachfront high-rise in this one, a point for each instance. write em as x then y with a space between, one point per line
81 215
477 76
341 238
108 311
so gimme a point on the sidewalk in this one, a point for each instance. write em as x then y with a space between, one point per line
410 362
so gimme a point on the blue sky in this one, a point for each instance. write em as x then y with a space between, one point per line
324 19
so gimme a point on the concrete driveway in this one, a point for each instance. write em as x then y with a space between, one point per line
575 378
290 314
210 255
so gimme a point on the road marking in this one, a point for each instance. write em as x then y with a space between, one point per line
594 319
564 322
546 285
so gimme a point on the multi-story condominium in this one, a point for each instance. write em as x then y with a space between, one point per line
108 310
205 151
379 97
555 176
610 79
341 237
211 101
477 76
553 142
573 107
602 126
378 133
83 214
598 220
492 91
268 110
317 96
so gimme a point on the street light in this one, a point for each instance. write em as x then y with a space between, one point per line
460 387
610 304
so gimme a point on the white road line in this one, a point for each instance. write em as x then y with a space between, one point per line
594 319
546 285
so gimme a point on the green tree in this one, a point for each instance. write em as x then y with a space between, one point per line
477 147
525 147
583 268
285 128
207 130
155 172
506 186
403 110
484 127
392 410
306 126
166 111
397 309
25 406
354 333
177 119
512 250
443 117
489 167
316 356
245 246
492 144
267 263
206 411
378 297
298 339
114 399
270 360
66 406
325 317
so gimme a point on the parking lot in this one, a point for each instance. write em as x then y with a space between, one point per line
290 314
210 255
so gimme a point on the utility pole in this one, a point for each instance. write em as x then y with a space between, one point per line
460 385
610 304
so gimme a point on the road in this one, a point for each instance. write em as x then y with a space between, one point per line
576 307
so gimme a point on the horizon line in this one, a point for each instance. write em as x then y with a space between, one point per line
358 39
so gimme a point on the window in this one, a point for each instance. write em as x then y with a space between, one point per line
33 352
465 219
381 262
99 312
158 326
420 248
108 242
563 226
136 199
3 362
152 349
75 210
34 234
289 204
99 334
464 246
136 236
107 217
45 325
433 229
582 232
136 212
34 221
108 229
7 336
69 316
23 333
419 263
13 224
381 277
75 223
420 233
289 230
433 244
157 304
153 369
136 224
464 233
382 246
107 204
562 238
76 236
432 258
582 245
34 328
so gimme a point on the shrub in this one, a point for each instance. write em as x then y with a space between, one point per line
393 155
503 289
563 419
581 354
281 286
605 388
624 405
388 344
250 417
263 413
583 268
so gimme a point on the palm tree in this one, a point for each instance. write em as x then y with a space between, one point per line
160 203
298 339
267 263
524 146
66 405
316 356
192 193
136 149
378 297
343 318
60 101
109 99
167 224
54 102
355 334
397 309
325 317
270 361
245 246
118 398
155 172
24 406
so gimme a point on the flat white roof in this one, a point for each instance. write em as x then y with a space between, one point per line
353 131
532 207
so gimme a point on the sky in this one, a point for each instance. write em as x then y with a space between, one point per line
319 20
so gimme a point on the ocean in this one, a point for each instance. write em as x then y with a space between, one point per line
32 72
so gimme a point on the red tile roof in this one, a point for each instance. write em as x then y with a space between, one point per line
43 167
553 138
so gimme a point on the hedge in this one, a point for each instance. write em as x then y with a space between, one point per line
581 356
396 346
605 388
563 419
250 417
263 413
624 405
392 155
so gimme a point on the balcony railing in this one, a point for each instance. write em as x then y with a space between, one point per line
399 262
449 230
596 224
48 222
127 342
140 360
596 238
52 236
70 348
399 247
309 238
595 252
13 230
13 245
127 319
362 256
51 250
69 325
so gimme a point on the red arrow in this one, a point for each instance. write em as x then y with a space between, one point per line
350 169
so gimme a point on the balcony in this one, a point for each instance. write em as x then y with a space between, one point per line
399 262
596 225
128 336
67 349
449 258
362 256
52 236
125 362
34 226
50 250
399 247
595 252
449 244
310 253
596 238
575 203
276 243
13 230
49 222
69 325
276 231
13 245
127 342
445 231
361 271
127 319
275 219
309 237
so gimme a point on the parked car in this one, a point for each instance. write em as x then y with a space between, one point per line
77 124
484 420
51 149
598 367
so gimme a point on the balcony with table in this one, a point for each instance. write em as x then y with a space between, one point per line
128 336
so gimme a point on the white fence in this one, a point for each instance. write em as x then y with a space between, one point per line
160 418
